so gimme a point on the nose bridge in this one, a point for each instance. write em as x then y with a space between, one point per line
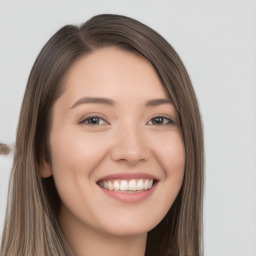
129 143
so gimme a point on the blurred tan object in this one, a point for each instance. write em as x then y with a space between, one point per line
4 149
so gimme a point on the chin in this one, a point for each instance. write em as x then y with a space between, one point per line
130 228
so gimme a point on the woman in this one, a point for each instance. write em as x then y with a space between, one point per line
109 149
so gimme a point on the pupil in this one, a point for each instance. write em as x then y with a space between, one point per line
158 120
94 120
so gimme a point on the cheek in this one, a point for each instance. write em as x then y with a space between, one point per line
174 164
170 153
174 159
76 152
74 157
171 157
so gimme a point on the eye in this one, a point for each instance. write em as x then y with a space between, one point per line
160 120
93 120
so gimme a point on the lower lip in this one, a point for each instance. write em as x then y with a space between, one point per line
133 197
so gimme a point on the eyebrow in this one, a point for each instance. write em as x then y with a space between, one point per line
93 100
150 103
157 102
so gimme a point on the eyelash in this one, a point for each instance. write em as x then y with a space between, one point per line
164 120
85 121
169 120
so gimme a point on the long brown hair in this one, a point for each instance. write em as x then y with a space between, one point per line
31 224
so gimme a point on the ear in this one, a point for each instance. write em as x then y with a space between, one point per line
45 168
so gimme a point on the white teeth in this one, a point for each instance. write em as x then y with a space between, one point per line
150 183
127 185
124 185
132 185
146 186
116 185
104 184
109 185
140 185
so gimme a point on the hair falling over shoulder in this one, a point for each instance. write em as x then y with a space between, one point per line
31 225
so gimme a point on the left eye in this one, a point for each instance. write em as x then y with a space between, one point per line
93 120
160 120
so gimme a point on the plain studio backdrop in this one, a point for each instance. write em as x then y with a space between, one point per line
217 43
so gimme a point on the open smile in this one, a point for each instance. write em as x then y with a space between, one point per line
130 188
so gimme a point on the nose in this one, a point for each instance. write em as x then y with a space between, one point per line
130 146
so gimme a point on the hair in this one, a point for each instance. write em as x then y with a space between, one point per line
31 224
4 149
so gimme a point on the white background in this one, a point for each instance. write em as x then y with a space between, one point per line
217 42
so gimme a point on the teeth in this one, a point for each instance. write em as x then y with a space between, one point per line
109 185
124 185
140 185
146 184
150 183
127 185
132 185
116 185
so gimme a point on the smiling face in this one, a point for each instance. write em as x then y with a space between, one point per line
116 146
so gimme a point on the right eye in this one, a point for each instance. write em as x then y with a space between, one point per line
93 120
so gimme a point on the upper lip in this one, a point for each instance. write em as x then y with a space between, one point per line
128 176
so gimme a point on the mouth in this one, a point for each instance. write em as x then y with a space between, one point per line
127 186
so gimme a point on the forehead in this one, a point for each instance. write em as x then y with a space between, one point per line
109 71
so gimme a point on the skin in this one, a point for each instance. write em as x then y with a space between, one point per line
125 139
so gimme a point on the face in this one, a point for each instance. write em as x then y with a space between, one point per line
116 145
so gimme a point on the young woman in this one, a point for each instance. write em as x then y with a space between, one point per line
109 148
